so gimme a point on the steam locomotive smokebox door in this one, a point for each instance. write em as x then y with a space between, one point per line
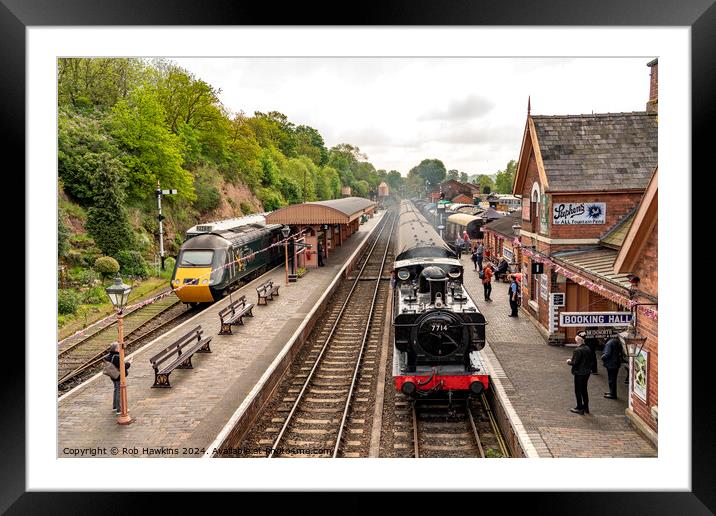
439 337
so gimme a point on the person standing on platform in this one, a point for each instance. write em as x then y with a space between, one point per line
473 257
486 276
612 360
113 358
581 363
514 294
320 255
458 247
466 239
592 345
479 251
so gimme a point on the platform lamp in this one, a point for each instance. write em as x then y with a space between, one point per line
119 295
285 231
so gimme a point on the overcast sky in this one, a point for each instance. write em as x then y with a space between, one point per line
468 112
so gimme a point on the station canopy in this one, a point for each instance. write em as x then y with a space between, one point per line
334 211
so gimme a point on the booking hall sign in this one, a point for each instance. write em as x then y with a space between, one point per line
579 213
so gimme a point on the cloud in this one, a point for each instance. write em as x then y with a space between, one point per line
470 107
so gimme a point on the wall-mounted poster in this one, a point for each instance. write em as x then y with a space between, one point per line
641 363
579 213
543 222
526 208
508 254
543 287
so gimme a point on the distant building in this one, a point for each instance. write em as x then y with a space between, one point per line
383 190
462 199
346 191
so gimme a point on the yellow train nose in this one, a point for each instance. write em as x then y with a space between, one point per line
192 284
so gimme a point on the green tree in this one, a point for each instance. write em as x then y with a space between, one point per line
485 182
394 180
86 83
506 178
463 177
453 174
152 152
63 235
431 170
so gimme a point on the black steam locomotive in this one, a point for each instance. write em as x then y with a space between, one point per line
439 330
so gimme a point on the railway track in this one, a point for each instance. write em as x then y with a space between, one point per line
323 406
436 428
83 358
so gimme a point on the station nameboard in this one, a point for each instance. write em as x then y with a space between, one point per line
594 318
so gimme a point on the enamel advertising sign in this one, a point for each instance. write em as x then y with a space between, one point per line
579 213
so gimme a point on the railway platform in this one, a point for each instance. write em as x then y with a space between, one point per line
540 388
186 419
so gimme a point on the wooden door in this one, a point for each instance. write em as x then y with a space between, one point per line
577 301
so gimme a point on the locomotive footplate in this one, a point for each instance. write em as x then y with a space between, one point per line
426 379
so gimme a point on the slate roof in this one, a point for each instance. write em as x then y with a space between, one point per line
504 225
614 238
598 152
599 262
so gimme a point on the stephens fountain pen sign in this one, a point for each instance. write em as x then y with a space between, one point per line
579 213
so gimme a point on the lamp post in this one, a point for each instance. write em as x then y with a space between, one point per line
119 294
516 228
285 231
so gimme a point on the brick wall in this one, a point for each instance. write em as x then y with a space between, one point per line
646 266
649 328
653 88
647 270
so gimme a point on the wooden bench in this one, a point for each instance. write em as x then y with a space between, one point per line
234 314
177 355
266 291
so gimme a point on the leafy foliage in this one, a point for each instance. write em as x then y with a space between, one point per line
68 301
106 266
131 263
430 170
63 235
506 178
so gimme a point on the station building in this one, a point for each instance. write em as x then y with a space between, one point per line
639 256
499 239
585 183
328 222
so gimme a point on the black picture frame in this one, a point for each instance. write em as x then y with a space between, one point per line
17 15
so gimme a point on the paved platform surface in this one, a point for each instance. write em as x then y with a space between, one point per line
540 386
184 420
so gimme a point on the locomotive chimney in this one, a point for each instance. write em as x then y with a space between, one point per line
652 106
434 280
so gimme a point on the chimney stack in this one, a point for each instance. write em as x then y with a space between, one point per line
653 105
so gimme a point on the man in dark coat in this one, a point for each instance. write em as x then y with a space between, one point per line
113 358
581 363
320 254
612 360
592 345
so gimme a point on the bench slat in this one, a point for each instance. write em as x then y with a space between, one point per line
171 347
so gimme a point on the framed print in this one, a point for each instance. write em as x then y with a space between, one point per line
144 123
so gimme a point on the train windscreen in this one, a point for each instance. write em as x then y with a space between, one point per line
194 258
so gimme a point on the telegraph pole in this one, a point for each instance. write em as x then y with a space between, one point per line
160 217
